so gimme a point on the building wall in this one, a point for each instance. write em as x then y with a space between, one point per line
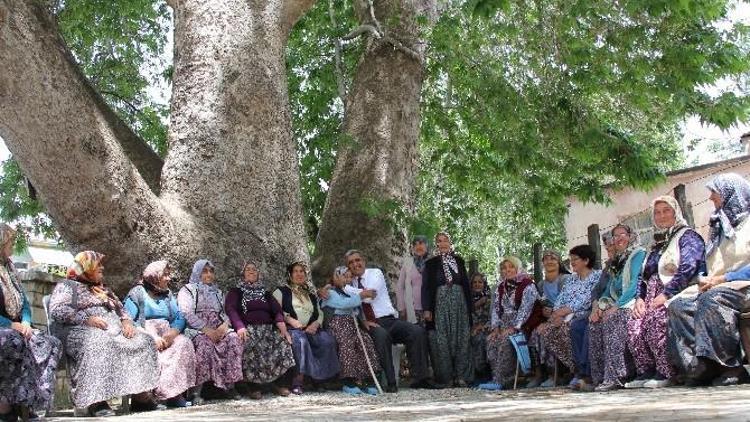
633 206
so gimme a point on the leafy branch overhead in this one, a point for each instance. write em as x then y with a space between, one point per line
524 104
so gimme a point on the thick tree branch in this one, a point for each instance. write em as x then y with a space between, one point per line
73 148
339 66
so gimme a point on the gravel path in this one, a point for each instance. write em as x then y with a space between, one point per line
727 403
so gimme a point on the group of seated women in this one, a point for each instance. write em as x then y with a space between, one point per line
651 318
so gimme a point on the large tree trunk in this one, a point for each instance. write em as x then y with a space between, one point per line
230 188
378 162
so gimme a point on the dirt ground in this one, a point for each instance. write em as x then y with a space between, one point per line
672 404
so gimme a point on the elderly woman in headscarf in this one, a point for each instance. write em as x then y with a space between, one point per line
703 329
409 286
675 259
555 277
153 307
481 301
28 357
610 359
259 322
218 349
565 333
314 348
512 311
347 319
108 356
446 303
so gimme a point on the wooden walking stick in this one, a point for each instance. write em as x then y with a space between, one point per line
367 356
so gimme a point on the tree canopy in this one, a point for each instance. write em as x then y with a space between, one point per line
525 103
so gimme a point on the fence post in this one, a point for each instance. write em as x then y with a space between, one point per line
473 267
538 274
595 241
687 207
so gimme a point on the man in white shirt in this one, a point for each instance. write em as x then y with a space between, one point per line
384 326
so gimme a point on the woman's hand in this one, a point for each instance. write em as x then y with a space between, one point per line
323 292
97 322
509 331
294 323
242 334
170 336
214 335
24 329
286 335
367 294
312 328
427 316
710 282
639 310
128 330
595 316
161 344
658 301
608 313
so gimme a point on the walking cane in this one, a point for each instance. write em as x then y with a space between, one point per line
367 356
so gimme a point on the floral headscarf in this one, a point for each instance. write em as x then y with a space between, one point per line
475 296
85 263
151 276
508 286
450 266
662 235
9 284
305 288
251 291
734 191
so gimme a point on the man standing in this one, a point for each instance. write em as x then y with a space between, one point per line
384 326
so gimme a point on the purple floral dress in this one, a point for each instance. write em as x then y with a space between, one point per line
202 305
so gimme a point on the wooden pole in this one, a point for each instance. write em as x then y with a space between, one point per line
538 274
687 207
473 267
595 241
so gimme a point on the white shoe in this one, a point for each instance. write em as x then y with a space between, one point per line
658 383
637 384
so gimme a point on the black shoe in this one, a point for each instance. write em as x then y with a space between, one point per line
177 402
731 376
100 410
146 406
9 417
391 388
425 384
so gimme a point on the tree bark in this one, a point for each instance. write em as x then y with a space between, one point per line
232 162
378 160
70 146
229 186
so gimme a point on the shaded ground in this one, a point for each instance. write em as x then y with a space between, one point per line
726 403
